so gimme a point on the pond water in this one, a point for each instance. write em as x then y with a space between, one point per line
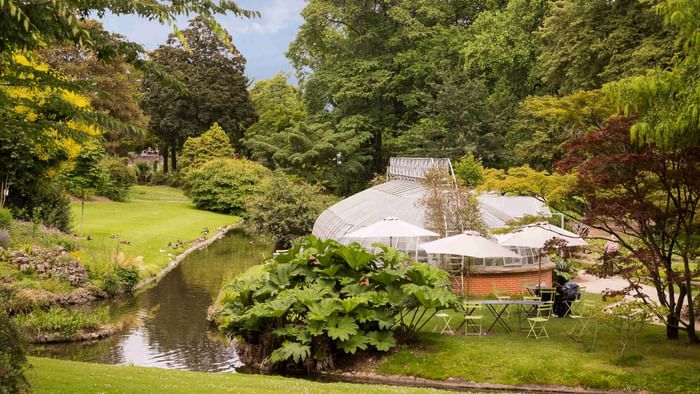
166 324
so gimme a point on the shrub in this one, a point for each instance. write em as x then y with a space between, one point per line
286 208
212 144
158 178
470 171
5 219
115 274
224 185
120 178
321 298
61 320
143 172
627 319
49 202
13 360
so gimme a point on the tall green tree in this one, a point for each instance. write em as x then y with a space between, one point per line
544 124
667 100
279 107
86 175
586 43
216 89
378 62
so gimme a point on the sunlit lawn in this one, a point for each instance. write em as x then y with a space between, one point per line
153 217
653 364
58 376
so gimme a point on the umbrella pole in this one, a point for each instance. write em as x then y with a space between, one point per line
461 276
539 269
417 240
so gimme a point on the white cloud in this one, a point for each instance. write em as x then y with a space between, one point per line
276 15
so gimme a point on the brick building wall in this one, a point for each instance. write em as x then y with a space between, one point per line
481 283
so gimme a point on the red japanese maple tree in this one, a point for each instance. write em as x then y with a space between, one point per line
646 198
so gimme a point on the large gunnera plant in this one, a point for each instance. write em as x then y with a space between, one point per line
321 298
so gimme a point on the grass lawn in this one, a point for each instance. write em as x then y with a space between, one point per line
653 364
153 217
58 376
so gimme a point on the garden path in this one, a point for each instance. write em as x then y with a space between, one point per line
597 285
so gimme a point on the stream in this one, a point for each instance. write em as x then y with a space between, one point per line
166 324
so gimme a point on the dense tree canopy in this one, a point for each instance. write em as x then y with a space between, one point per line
589 42
216 89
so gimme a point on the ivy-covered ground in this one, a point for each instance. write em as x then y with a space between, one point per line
653 364
57 376
158 222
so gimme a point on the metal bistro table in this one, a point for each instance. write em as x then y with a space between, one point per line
493 307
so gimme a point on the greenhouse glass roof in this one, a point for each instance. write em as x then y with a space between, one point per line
400 197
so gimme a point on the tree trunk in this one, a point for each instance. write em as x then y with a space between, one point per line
672 326
173 155
164 152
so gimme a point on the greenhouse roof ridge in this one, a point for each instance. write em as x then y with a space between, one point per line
415 168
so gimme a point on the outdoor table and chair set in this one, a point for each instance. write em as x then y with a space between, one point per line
536 307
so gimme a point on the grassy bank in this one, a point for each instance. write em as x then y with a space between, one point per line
154 217
57 376
652 364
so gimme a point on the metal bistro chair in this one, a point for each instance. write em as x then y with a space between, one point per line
570 305
502 295
547 293
443 319
472 318
583 312
526 311
538 324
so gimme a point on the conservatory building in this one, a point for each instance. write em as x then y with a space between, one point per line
401 196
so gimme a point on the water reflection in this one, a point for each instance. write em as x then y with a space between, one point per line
166 325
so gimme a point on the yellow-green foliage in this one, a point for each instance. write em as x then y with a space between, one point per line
524 181
224 185
546 123
212 144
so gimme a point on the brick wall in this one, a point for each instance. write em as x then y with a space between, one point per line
482 284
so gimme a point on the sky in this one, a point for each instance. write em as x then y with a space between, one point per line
262 41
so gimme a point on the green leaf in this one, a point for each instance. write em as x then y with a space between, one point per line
355 289
316 327
330 271
349 304
310 295
294 350
341 327
382 340
299 333
357 341
281 274
356 256
274 308
384 317
323 309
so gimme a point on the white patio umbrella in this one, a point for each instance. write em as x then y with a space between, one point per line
468 244
392 227
536 235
